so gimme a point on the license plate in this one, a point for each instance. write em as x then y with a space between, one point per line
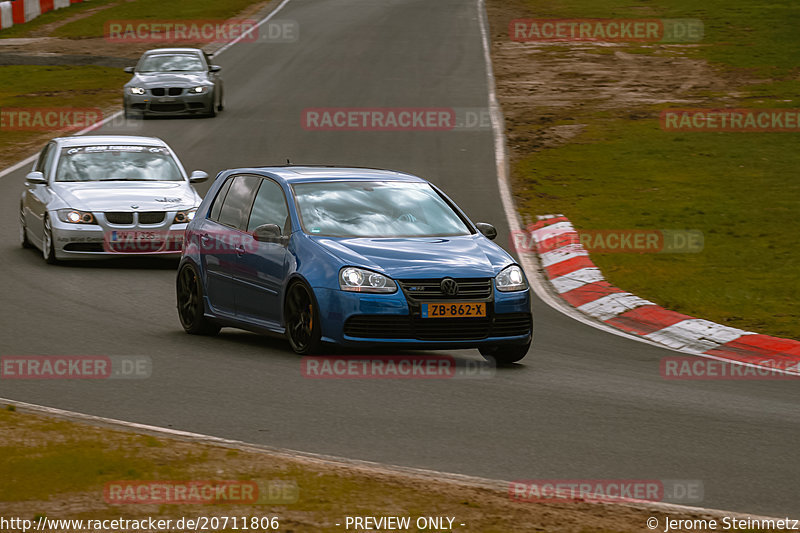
134 236
166 99
454 310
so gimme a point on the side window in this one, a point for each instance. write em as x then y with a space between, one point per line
223 191
236 206
46 159
269 207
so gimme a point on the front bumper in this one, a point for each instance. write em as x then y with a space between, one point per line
104 240
185 104
358 319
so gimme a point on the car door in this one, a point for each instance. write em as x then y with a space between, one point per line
263 264
37 196
221 236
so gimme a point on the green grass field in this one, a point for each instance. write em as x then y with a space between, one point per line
59 469
740 189
94 24
32 87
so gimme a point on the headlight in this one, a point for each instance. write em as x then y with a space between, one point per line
182 217
360 280
137 90
73 216
511 279
198 90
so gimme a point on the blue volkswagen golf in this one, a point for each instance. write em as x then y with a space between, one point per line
351 256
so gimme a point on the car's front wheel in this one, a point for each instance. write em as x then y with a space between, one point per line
48 247
302 319
505 354
23 230
191 308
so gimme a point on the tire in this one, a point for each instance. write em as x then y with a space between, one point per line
48 247
23 231
212 110
505 354
191 309
220 106
302 319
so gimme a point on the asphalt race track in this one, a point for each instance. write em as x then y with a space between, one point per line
584 404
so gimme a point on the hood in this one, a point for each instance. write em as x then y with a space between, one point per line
121 195
174 79
468 256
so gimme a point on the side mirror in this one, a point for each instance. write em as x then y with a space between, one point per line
35 178
268 233
214 68
489 231
129 70
198 176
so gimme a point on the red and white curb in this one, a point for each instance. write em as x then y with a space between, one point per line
576 279
22 11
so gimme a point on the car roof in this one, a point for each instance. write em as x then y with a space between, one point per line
85 140
297 174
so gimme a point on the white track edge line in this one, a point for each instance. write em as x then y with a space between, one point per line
530 264
514 224
30 159
335 461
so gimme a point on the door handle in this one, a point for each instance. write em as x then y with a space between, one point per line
205 239
240 250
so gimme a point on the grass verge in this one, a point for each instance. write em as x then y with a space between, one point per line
38 88
623 171
58 469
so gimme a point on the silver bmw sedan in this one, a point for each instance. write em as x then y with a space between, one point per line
103 196
173 81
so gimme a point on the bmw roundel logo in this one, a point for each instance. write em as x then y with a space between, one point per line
449 287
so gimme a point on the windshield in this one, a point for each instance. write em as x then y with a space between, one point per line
117 163
171 63
375 209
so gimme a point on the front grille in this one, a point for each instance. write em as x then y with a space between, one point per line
151 217
166 108
437 329
162 91
196 105
84 247
379 327
119 218
431 289
452 329
144 247
512 325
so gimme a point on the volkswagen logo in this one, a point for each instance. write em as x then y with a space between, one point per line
449 287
